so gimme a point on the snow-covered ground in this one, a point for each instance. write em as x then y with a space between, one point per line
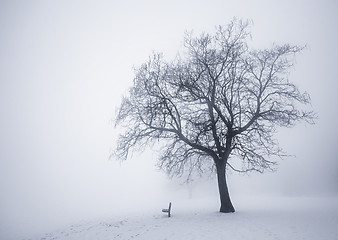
256 218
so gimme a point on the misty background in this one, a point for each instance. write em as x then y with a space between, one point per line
64 67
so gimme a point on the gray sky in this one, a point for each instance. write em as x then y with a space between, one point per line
64 66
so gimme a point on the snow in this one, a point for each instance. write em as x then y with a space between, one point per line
256 218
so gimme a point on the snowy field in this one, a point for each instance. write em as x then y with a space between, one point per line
256 218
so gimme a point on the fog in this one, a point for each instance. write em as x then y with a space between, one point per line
64 66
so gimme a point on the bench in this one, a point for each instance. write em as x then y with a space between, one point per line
167 210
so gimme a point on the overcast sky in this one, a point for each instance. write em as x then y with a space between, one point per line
64 66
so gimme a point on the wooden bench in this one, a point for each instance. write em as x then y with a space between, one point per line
167 210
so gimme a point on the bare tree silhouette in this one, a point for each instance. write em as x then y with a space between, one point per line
216 107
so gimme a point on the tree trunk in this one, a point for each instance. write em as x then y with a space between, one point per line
226 205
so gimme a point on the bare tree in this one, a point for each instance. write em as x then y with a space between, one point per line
217 107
